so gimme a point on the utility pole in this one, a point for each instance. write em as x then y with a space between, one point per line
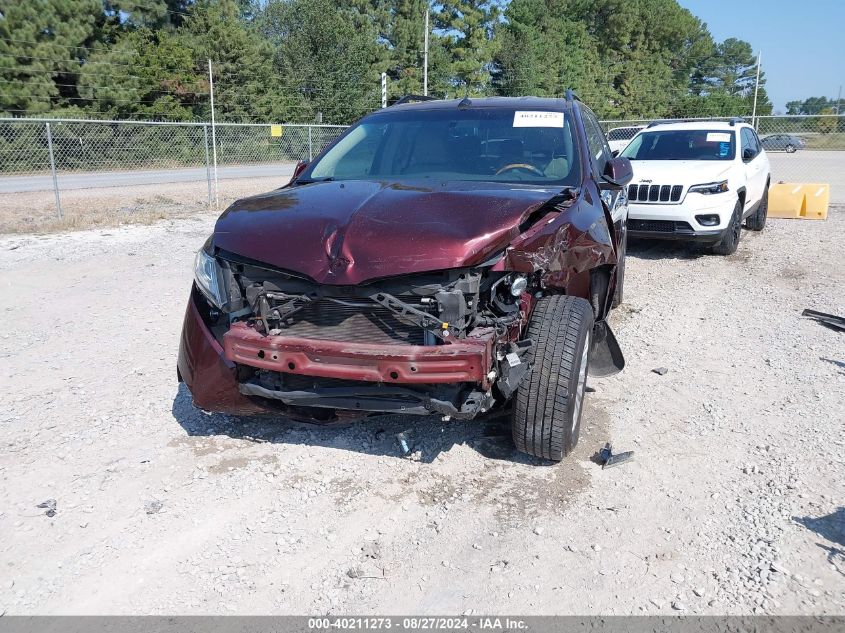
756 88
425 54
213 136
838 99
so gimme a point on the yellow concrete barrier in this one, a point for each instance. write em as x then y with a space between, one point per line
799 200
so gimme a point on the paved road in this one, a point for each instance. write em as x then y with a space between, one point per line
803 166
812 166
92 180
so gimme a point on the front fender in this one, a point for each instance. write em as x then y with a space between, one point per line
564 243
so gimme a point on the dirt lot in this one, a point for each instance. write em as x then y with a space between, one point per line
733 503
35 211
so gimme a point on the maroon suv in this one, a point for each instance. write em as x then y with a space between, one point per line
440 257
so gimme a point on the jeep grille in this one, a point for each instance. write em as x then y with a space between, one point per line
655 193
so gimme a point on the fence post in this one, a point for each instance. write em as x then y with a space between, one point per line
53 169
310 146
384 90
207 167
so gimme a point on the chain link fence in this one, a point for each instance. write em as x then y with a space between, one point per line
68 173
81 172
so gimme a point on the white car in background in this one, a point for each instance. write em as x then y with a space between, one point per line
619 137
697 180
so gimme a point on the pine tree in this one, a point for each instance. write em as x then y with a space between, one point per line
43 44
324 59
467 27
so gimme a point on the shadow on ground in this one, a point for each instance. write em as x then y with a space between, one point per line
832 528
664 249
427 436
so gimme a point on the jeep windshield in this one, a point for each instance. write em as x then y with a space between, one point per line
480 144
682 145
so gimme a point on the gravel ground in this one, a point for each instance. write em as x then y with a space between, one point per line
733 502
35 211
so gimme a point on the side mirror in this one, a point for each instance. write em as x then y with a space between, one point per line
617 173
747 154
297 171
614 153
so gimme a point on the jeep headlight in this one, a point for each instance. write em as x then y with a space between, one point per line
710 187
209 278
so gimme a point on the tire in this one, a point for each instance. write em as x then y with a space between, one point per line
620 272
790 149
730 238
546 415
757 220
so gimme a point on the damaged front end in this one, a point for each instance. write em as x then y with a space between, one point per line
443 342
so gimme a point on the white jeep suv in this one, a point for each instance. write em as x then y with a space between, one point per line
697 180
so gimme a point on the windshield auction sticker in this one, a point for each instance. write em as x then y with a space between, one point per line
537 118
718 137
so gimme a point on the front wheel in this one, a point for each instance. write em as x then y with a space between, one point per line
757 220
730 238
790 149
546 415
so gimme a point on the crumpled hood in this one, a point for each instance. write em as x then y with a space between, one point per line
353 231
679 172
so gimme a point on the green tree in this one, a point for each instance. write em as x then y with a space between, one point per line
467 28
153 14
146 74
628 58
246 86
326 61
42 46
732 68
648 48
812 105
827 124
542 52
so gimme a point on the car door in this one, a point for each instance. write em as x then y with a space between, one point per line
616 200
753 162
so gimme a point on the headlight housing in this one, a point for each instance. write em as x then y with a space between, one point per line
209 278
708 188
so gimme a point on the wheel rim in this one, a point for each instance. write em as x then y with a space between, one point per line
581 387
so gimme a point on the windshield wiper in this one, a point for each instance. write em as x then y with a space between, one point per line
308 181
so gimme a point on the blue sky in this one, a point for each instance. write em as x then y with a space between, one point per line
803 42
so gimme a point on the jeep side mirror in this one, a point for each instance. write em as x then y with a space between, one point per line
614 153
297 171
617 173
747 154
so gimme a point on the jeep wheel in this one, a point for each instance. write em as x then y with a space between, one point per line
757 220
546 416
730 238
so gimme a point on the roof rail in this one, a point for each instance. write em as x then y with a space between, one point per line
410 98
667 121
571 96
732 121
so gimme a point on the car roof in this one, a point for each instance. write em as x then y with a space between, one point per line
506 103
704 124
